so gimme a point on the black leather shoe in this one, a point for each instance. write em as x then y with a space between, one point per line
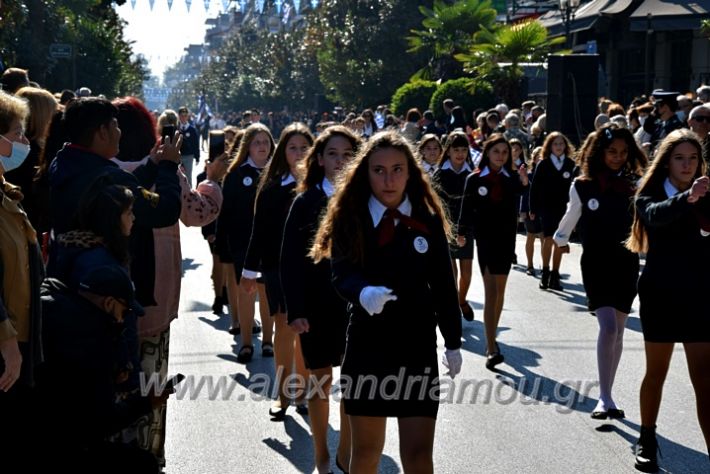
616 414
647 451
218 305
599 415
545 279
531 271
467 311
554 283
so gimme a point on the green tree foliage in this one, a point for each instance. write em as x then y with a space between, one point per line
496 55
468 94
360 45
448 30
103 56
255 68
413 94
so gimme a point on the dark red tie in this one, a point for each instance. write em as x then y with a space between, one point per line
496 181
386 227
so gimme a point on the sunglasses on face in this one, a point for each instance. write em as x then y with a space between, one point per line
702 118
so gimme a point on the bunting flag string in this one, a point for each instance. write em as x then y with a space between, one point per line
259 5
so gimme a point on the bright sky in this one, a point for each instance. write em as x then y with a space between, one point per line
161 35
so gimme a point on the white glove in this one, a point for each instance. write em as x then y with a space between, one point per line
452 360
373 298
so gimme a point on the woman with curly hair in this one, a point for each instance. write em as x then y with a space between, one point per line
600 207
386 234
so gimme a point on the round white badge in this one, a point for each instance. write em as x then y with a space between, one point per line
421 245
246 181
187 134
566 175
704 233
593 204
483 190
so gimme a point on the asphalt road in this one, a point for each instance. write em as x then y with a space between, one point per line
531 416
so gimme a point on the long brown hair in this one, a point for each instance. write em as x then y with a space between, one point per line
654 177
591 155
243 152
347 210
547 145
278 166
312 173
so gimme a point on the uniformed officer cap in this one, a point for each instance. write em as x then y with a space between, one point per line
668 97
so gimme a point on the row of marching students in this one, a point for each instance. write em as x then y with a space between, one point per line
372 231
596 195
364 257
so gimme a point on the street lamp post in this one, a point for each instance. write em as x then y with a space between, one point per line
567 8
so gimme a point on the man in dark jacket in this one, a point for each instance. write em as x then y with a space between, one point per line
92 128
663 120
190 150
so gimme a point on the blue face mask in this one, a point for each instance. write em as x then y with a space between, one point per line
17 156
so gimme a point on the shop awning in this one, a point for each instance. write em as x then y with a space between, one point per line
585 17
668 15
617 7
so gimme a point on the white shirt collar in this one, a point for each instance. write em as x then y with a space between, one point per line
428 168
251 163
557 161
448 166
669 188
288 179
377 209
327 187
487 170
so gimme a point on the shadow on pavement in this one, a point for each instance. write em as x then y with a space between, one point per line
189 264
674 457
534 388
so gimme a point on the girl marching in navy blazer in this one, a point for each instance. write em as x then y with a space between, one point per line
672 226
490 212
387 235
235 224
450 177
273 201
314 309
549 193
600 206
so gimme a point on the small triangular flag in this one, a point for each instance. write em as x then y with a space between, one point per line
133 4
225 4
188 3
151 2
207 5
170 4
297 5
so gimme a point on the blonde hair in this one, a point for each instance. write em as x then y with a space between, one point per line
12 108
168 117
243 151
43 106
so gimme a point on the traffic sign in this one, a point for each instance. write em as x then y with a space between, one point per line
60 50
